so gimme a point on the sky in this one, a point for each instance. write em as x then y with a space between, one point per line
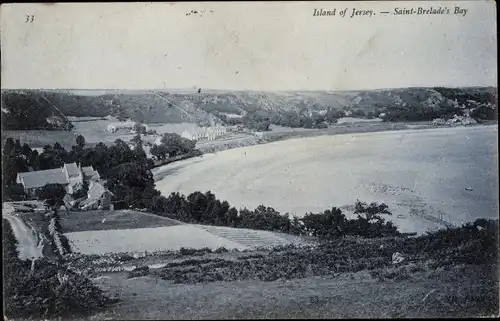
246 46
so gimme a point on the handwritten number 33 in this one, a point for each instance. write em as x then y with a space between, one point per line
29 18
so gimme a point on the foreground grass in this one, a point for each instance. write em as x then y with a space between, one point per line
449 273
445 293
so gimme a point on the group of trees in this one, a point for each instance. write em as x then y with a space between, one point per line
205 208
172 145
413 112
126 170
261 120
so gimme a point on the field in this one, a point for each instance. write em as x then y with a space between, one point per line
427 177
173 238
146 239
100 232
40 138
106 220
97 130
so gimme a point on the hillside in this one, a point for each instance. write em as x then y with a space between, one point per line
18 107
29 109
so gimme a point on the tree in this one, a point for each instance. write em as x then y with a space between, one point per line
369 222
140 129
175 145
80 141
9 147
58 146
14 192
159 151
307 122
52 194
26 151
333 114
129 181
485 112
137 141
329 224
33 161
371 212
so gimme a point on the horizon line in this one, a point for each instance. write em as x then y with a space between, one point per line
249 90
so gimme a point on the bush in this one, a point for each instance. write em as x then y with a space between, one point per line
221 250
54 233
44 289
9 242
138 272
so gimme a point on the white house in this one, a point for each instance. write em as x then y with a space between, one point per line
127 125
70 176
207 133
195 134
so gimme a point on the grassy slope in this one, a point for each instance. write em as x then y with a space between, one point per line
92 220
115 220
448 274
457 292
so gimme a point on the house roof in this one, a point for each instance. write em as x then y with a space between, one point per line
42 178
72 169
68 198
96 190
89 172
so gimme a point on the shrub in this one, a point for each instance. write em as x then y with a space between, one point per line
221 250
44 289
138 272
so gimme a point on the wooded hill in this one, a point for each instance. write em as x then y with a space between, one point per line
32 109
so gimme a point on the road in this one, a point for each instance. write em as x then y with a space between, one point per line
27 239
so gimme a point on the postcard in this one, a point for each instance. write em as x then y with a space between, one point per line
226 160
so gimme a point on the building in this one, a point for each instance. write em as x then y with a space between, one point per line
98 197
194 134
259 134
126 125
56 121
206 133
70 176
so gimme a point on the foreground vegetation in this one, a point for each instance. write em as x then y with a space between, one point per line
42 288
472 244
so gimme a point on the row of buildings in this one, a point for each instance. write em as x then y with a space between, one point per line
205 133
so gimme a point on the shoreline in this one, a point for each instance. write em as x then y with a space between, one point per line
428 218
358 128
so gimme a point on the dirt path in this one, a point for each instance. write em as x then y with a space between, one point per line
27 239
